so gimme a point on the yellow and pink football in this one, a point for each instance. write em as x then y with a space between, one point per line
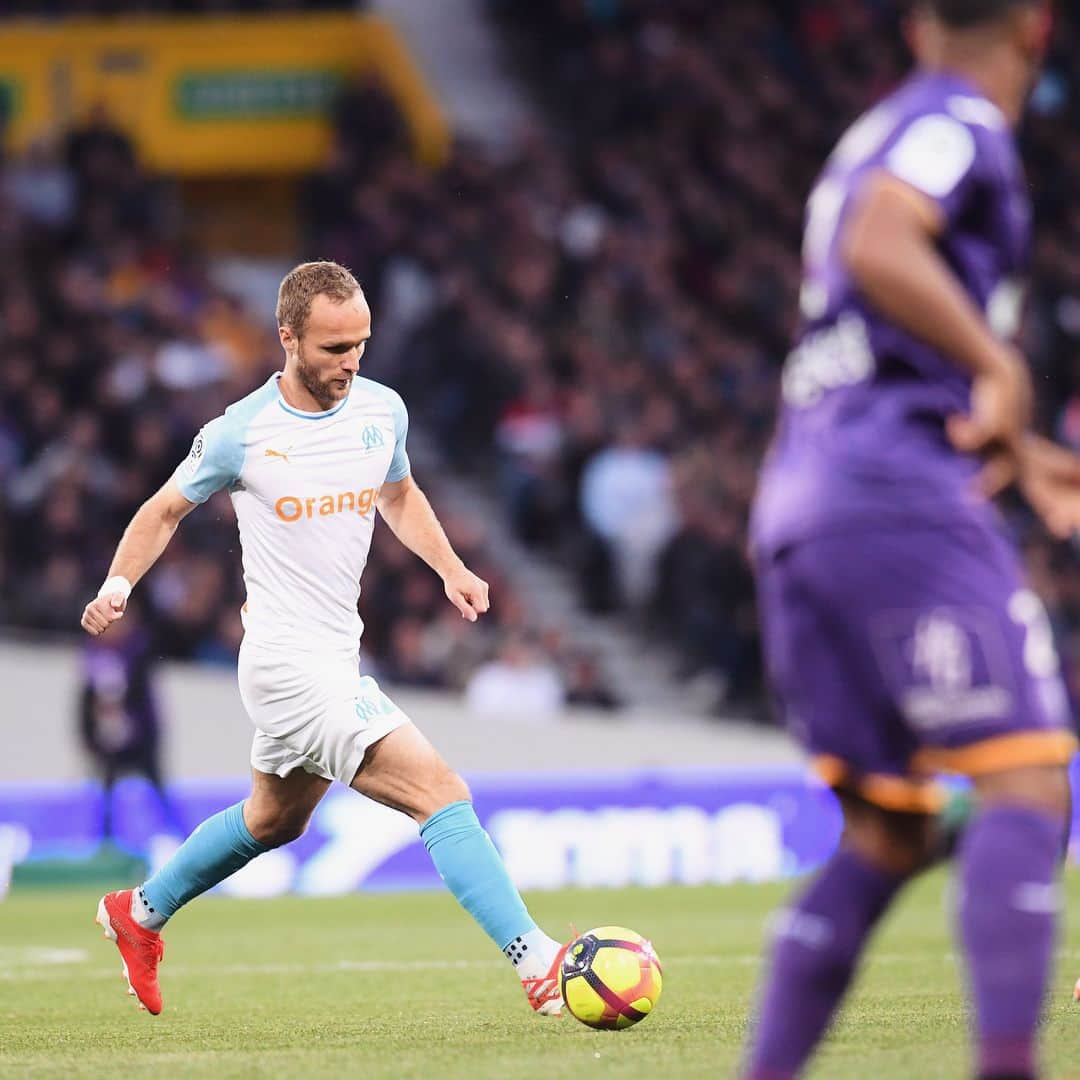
611 978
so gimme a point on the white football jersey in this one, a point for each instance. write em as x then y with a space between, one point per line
304 487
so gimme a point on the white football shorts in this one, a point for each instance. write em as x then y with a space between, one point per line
313 711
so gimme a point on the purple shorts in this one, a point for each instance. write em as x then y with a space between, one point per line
897 655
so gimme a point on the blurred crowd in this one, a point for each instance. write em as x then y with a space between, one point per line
596 315
116 348
591 321
117 345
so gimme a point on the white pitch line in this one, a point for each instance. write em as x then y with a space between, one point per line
41 954
81 956
337 967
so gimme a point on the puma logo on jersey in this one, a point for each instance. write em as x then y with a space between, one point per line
284 455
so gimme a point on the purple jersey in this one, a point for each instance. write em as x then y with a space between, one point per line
862 432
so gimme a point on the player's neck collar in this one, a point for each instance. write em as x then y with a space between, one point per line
276 377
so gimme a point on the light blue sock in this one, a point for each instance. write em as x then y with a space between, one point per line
216 849
474 872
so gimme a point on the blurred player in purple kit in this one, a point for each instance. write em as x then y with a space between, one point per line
900 635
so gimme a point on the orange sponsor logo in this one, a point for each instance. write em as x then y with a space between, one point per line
293 507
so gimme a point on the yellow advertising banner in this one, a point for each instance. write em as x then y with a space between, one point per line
210 95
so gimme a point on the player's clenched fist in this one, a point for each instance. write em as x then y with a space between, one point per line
108 606
467 592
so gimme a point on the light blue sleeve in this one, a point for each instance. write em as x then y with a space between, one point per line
399 463
216 457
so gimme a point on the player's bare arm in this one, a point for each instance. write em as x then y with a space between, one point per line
889 247
145 538
406 510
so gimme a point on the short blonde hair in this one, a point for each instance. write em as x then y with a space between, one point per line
303 283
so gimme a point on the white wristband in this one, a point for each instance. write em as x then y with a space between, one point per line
117 584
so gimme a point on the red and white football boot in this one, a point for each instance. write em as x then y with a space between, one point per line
545 993
141 950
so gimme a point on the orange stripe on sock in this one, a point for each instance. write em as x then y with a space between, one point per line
1000 753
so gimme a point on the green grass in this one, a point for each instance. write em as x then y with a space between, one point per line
405 986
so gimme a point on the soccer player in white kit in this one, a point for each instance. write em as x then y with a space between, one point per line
308 458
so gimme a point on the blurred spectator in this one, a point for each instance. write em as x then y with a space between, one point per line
587 686
529 436
118 714
409 662
41 188
368 124
519 684
626 503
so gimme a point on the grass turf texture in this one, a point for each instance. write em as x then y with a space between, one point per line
406 986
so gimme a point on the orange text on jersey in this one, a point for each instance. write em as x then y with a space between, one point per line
293 507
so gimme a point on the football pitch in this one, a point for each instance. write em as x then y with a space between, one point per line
404 986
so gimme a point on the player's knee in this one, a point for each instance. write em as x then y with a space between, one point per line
456 788
450 788
1044 787
446 787
277 828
